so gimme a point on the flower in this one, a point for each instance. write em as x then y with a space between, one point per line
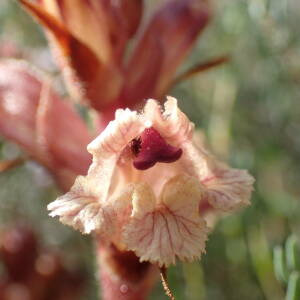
91 41
35 117
147 183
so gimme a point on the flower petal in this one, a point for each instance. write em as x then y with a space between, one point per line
141 75
132 13
116 136
123 18
88 75
108 146
172 124
42 125
229 189
81 208
88 199
176 26
19 98
52 6
84 207
226 189
172 228
61 133
87 22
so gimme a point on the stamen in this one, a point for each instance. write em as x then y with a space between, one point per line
151 148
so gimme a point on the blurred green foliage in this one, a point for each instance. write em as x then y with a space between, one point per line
287 266
250 111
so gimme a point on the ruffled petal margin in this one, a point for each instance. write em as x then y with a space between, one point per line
229 189
171 228
226 189
171 123
87 207
81 208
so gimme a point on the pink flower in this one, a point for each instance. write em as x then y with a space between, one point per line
92 42
35 117
146 185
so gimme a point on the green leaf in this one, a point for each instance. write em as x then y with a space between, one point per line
279 263
293 290
292 251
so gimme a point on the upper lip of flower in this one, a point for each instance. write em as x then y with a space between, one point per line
134 209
